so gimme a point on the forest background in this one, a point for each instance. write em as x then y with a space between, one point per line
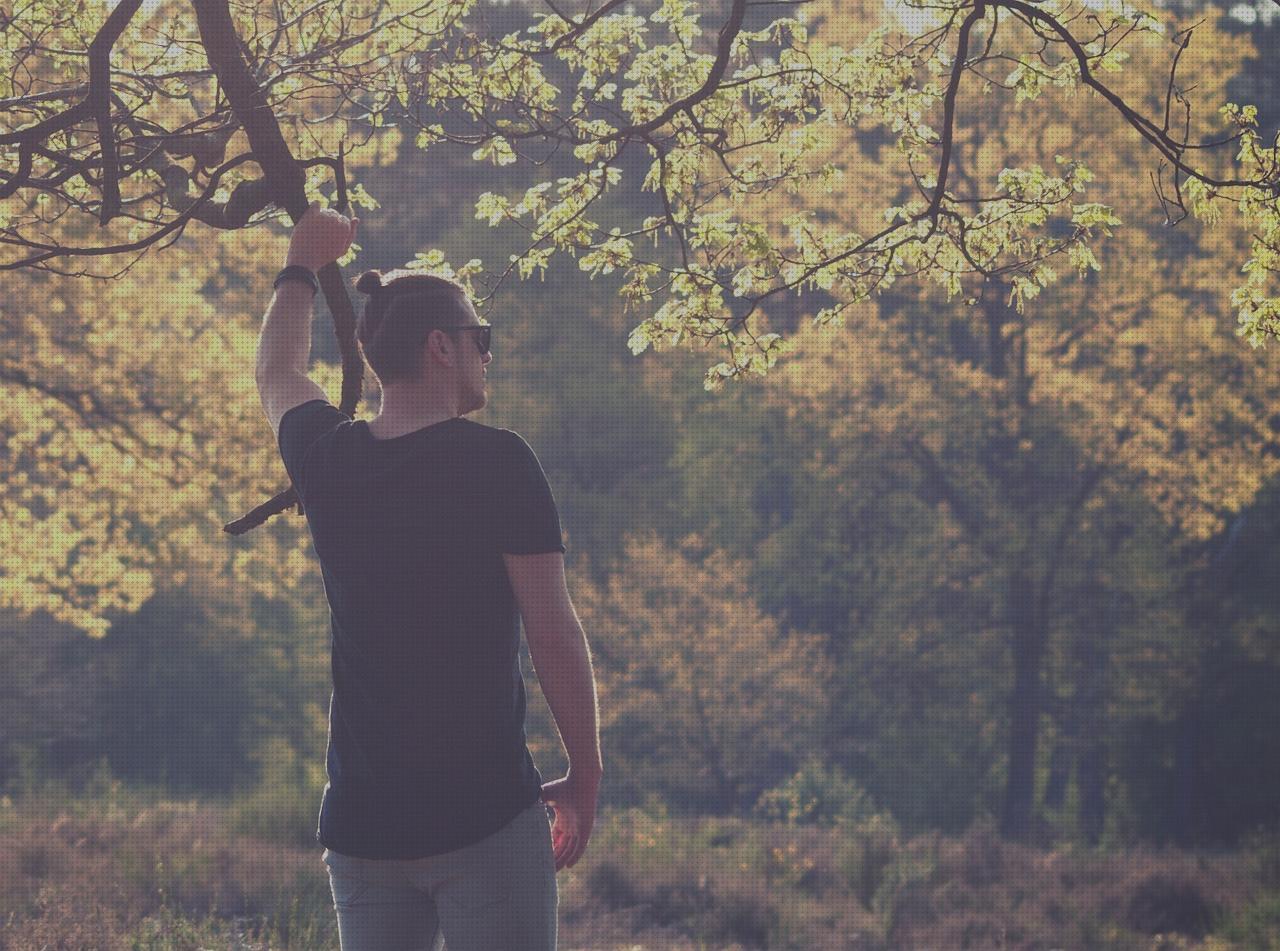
1005 555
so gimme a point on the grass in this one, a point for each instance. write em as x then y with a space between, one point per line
136 871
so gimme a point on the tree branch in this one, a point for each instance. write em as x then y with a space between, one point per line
1146 128
100 98
285 182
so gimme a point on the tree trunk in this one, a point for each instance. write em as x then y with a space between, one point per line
1091 771
1091 775
1024 708
1055 790
1186 830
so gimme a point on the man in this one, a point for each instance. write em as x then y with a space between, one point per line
435 535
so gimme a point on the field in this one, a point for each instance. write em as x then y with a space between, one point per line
131 872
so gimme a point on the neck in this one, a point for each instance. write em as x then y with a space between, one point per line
406 410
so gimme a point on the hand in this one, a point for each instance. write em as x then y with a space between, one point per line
574 800
321 236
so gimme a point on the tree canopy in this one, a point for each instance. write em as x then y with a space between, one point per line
125 125
146 130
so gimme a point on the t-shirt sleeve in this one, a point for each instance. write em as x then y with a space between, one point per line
528 522
300 428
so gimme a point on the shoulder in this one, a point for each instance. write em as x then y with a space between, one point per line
305 426
494 436
308 420
314 408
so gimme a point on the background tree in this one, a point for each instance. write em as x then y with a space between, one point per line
1031 426
704 700
132 432
1200 774
48 703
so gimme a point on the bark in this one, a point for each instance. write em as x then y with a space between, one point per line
1091 775
1024 708
283 182
1055 790
1186 754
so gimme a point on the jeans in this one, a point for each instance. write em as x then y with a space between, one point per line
498 894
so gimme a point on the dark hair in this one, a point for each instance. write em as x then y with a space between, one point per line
399 316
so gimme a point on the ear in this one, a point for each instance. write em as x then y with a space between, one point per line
444 346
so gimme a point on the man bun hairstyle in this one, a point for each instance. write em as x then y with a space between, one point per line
369 281
403 308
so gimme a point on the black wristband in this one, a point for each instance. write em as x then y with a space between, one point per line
297 272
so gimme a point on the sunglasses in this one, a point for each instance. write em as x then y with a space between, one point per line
483 334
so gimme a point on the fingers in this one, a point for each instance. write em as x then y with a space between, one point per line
572 854
566 846
567 851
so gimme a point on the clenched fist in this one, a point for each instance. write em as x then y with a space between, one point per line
320 237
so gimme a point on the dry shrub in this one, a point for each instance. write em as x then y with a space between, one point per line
64 916
855 860
77 881
1163 904
791 894
981 861
1170 891
988 892
84 882
714 909
609 884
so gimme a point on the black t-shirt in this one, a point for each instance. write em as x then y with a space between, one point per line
427 749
